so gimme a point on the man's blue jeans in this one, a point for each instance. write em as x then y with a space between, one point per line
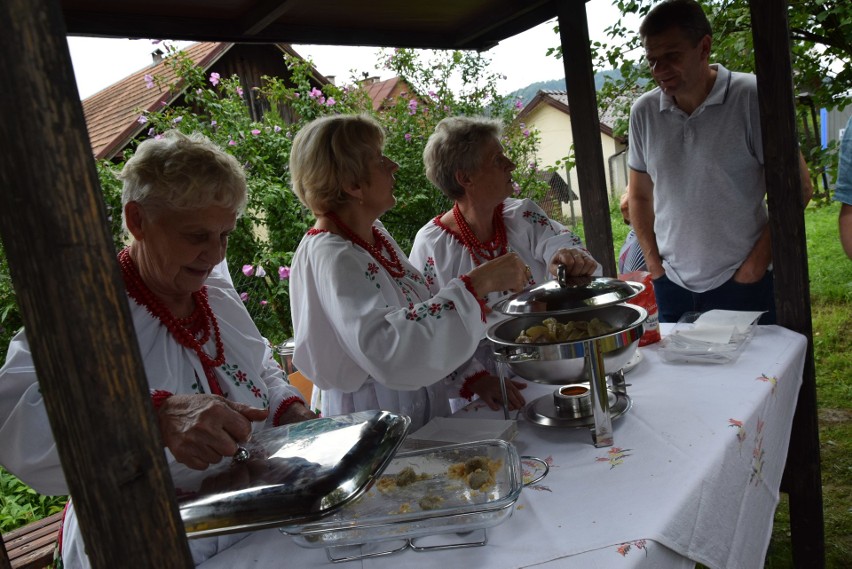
673 300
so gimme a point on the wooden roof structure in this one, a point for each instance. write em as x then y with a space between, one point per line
52 223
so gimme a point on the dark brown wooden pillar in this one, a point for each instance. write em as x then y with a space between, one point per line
586 129
64 269
790 258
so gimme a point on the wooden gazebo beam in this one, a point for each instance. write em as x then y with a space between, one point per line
585 128
72 300
790 261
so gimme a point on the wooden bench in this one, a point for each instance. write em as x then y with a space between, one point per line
31 546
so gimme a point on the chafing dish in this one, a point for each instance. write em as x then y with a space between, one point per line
590 359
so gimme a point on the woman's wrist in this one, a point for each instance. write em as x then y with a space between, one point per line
283 408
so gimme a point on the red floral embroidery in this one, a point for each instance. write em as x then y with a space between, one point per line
241 376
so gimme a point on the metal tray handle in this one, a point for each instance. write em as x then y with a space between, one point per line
541 476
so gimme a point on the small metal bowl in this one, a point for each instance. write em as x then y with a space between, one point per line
565 362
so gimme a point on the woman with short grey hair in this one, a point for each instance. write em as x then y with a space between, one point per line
464 158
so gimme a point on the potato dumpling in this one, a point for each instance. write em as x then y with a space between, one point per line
550 330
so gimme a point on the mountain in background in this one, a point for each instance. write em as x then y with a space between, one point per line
527 93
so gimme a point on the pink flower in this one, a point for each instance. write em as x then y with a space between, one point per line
248 270
315 93
264 302
519 104
412 106
214 79
255 131
407 137
330 102
142 119
260 273
276 128
517 188
283 273
149 81
232 142
213 123
240 91
244 296
177 120
527 132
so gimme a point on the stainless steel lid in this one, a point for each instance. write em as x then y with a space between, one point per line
290 474
569 295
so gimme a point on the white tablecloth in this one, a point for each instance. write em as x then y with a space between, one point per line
693 476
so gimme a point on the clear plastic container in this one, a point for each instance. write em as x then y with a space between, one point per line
714 337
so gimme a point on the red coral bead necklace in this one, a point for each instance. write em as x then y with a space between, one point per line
392 264
480 251
184 330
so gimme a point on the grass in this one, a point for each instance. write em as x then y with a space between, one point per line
831 305
831 309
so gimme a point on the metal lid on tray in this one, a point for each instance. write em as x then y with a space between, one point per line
290 474
569 295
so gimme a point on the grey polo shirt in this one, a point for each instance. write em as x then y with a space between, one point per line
709 183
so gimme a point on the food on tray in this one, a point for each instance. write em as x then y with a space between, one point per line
430 502
552 331
403 478
478 472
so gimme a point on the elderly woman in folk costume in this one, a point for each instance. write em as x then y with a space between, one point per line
368 331
211 374
465 160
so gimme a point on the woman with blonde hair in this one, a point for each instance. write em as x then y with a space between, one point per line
368 331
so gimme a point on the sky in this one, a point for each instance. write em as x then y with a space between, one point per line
99 62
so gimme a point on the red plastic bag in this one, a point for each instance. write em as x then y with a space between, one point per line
647 300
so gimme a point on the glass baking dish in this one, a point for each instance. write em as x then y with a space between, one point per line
437 502
294 473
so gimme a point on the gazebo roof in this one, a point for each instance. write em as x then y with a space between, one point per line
441 24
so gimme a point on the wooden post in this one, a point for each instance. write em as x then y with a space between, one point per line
586 128
790 259
72 300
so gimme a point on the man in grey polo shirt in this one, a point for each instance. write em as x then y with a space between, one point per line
697 182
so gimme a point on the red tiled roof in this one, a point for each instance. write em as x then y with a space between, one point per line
111 114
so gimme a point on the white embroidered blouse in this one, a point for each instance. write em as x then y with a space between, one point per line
370 341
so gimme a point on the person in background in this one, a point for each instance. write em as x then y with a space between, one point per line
211 374
696 179
843 189
369 333
465 160
630 257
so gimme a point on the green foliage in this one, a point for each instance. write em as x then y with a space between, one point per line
20 504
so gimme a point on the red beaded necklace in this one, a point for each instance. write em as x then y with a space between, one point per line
392 265
183 330
480 251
